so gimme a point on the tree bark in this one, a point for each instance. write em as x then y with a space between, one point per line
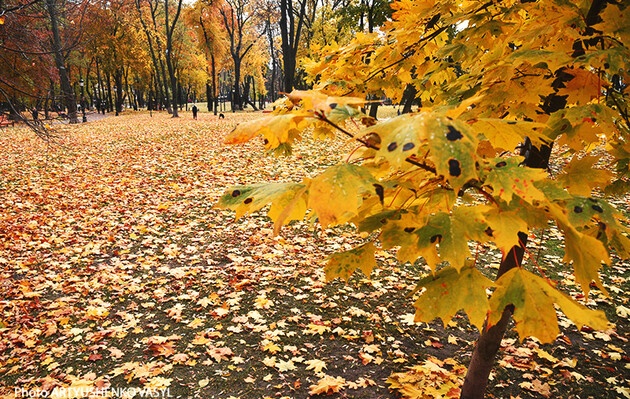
69 100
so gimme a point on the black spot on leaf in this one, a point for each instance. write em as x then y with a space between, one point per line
436 238
409 229
392 146
265 141
408 146
454 167
453 134
489 232
248 200
379 191
578 209
236 193
501 164
332 105
597 208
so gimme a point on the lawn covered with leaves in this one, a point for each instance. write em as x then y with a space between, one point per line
116 272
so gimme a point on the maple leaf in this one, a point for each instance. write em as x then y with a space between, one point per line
316 329
453 150
219 353
583 87
504 228
316 365
533 299
397 138
586 263
335 108
507 179
580 177
284 366
277 129
507 134
163 349
249 199
448 291
343 264
327 385
336 194
450 233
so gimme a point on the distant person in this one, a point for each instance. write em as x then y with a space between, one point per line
35 114
195 110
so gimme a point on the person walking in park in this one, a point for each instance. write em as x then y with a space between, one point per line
194 111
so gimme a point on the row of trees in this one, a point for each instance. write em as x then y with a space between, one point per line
68 55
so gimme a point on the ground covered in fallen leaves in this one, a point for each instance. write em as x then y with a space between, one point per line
118 277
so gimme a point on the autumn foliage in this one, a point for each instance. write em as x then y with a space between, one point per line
499 85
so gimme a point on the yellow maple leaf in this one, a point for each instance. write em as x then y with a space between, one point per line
337 194
327 385
287 365
583 88
448 291
505 226
316 329
580 176
316 365
343 264
533 299
276 129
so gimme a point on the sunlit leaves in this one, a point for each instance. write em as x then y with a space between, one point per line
533 298
434 378
276 130
449 291
336 194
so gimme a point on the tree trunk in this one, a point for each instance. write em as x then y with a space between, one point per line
408 97
236 93
68 96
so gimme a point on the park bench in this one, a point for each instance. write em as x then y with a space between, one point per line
5 121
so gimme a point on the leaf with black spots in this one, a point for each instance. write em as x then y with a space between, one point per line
343 264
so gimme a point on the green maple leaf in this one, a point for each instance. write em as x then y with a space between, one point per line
507 179
533 299
448 291
337 194
343 264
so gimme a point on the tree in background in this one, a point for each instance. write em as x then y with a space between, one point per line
503 87
205 17
243 29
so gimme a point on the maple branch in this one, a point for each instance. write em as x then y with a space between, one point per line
410 159
409 51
